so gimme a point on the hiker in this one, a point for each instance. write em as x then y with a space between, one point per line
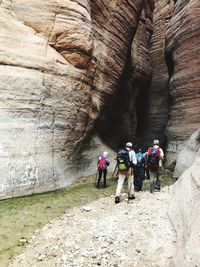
155 162
139 170
146 170
126 160
102 165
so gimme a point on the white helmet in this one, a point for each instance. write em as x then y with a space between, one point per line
156 142
105 154
129 144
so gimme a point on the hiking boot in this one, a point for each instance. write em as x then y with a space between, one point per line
117 200
131 197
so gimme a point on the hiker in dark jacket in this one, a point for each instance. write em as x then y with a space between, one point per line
155 161
102 166
139 171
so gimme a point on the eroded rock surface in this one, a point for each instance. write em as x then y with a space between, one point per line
120 119
155 109
59 62
104 234
183 50
185 215
186 157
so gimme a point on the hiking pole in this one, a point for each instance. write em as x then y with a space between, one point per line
129 193
96 179
114 171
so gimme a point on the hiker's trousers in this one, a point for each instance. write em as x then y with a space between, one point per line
121 177
154 180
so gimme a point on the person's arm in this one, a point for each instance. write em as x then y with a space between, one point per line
134 159
107 162
161 154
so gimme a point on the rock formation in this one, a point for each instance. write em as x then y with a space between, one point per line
182 53
57 60
156 105
118 122
186 157
185 215
71 70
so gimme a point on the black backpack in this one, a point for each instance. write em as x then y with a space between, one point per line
123 160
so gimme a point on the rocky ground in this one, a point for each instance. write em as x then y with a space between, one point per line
137 233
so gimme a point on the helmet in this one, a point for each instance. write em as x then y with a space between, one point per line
105 154
156 142
129 144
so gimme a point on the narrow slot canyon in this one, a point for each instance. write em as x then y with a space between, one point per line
82 77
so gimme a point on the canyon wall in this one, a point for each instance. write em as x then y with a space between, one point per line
182 54
73 70
60 62
119 121
156 106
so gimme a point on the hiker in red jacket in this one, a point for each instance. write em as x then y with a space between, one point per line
154 161
102 165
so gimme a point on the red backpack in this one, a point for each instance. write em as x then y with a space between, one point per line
153 157
102 163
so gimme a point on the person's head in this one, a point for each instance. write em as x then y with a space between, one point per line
129 145
139 150
156 142
105 154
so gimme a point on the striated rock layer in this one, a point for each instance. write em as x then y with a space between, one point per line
59 62
183 50
156 105
120 118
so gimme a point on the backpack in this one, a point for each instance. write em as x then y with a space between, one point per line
153 157
123 161
102 163
140 159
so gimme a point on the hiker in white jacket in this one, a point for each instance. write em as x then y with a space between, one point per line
125 170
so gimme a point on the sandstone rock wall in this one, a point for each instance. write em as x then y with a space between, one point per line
156 105
185 215
182 52
59 62
118 123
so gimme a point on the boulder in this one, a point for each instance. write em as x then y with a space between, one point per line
187 155
184 212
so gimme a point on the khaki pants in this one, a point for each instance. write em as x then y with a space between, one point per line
122 175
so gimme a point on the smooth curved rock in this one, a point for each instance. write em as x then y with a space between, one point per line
184 212
59 61
186 157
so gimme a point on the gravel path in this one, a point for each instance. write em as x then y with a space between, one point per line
104 234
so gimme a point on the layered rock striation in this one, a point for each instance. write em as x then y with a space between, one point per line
60 61
120 119
155 109
182 53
